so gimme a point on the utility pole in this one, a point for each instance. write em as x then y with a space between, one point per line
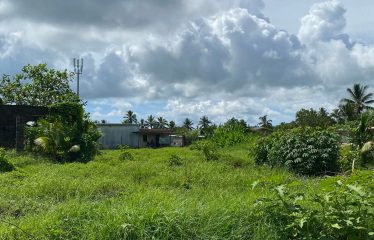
78 70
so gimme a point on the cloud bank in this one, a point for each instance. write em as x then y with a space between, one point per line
219 59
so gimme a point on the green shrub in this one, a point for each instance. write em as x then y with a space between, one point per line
208 148
125 153
5 165
346 155
175 160
345 213
67 137
304 151
230 134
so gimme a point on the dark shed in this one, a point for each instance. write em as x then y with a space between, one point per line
12 121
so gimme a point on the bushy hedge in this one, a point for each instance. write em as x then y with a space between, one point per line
66 134
304 151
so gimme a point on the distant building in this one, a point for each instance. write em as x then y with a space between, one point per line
136 137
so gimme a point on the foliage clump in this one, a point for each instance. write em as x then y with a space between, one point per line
231 133
66 134
175 161
125 154
208 148
5 165
344 213
37 86
304 151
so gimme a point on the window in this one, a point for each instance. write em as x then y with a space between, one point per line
145 139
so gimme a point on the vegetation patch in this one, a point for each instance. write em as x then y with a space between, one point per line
305 151
5 165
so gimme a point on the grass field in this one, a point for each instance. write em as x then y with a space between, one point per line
145 198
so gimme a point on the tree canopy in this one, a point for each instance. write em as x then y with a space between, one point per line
37 86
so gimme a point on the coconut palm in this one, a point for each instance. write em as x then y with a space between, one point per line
161 122
187 124
265 122
172 125
359 98
204 124
345 112
130 118
151 121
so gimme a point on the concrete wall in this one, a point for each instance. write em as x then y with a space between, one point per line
115 134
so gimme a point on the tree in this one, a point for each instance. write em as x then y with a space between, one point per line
204 125
38 86
172 125
359 98
312 118
162 123
187 124
265 122
345 112
130 118
151 121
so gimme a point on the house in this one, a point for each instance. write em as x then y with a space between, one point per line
136 137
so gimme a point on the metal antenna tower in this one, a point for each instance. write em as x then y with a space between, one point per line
78 70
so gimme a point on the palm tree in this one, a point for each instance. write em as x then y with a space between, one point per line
359 98
187 124
162 123
151 121
345 112
265 122
204 124
172 125
130 117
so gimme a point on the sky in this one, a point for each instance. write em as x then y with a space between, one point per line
189 58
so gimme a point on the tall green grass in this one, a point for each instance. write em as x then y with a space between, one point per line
144 198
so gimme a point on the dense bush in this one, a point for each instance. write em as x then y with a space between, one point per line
5 165
66 134
305 151
347 154
208 148
229 134
125 154
345 213
175 161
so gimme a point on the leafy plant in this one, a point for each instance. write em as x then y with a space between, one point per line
304 151
229 134
5 165
346 155
345 213
125 153
66 135
208 148
175 160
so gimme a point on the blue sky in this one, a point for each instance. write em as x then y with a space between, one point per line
189 58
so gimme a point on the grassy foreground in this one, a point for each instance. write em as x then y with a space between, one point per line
146 198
